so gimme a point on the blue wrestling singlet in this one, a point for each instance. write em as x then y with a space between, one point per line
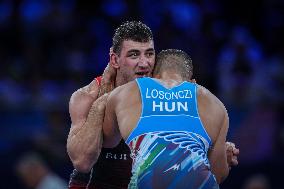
169 144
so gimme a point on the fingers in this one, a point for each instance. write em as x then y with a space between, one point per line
232 154
236 151
234 161
108 80
100 103
97 112
103 98
109 73
232 146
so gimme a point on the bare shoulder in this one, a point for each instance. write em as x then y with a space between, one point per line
205 95
211 109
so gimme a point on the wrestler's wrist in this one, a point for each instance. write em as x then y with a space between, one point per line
80 175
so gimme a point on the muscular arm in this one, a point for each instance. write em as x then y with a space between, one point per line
232 151
111 133
82 132
84 139
217 155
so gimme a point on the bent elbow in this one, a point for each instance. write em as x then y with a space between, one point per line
79 161
71 151
84 162
83 167
83 157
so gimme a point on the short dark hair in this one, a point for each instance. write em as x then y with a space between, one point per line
131 30
174 59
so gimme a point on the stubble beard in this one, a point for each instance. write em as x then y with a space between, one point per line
123 78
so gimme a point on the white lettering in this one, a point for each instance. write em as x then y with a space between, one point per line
114 156
188 94
108 156
167 107
161 94
147 95
175 95
179 95
183 106
157 106
156 93
169 96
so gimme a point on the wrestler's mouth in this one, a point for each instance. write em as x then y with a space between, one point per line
142 74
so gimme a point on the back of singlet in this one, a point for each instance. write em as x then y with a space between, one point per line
169 144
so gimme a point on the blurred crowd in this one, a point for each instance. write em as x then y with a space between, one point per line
50 48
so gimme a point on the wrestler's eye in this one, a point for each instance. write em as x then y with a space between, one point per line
150 54
133 55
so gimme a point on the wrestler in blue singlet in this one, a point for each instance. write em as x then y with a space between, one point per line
169 144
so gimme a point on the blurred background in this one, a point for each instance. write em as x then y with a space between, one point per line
50 48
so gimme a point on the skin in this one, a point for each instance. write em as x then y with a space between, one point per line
232 154
86 110
84 140
125 101
135 60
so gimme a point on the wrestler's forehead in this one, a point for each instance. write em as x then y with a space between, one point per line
142 46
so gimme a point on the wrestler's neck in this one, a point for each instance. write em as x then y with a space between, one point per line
119 81
170 79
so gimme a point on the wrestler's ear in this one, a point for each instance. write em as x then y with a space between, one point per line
114 60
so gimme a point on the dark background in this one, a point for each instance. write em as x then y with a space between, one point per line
50 48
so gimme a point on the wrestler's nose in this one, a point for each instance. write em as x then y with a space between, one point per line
143 62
